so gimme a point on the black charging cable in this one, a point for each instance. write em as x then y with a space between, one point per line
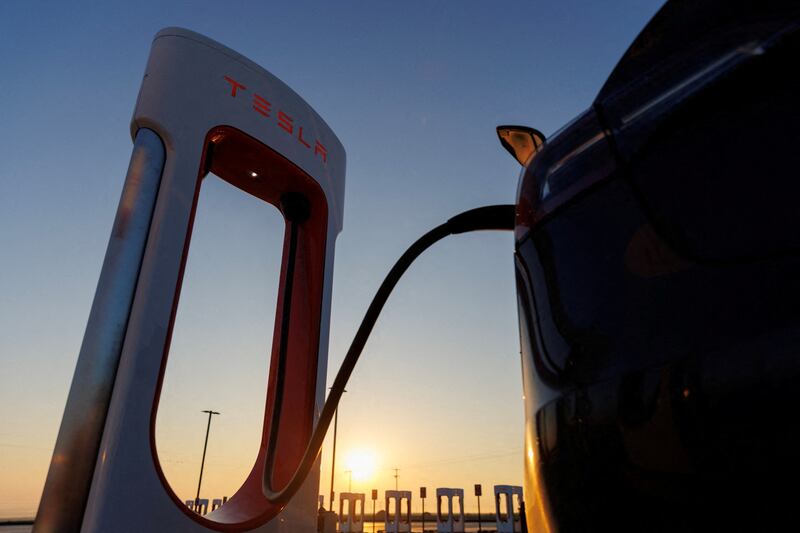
493 217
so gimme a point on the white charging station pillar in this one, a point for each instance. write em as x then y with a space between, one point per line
201 108
507 512
400 520
451 521
202 506
351 516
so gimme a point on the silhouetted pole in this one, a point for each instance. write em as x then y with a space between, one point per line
423 491
478 492
374 498
203 461
480 528
333 456
396 475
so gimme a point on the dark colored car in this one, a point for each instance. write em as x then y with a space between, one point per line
658 274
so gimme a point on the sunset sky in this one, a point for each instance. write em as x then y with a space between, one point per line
414 91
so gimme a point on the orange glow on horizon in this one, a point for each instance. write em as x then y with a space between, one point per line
362 463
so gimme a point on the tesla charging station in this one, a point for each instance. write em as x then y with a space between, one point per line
201 108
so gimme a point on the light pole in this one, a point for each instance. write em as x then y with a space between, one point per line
333 456
396 475
349 480
203 461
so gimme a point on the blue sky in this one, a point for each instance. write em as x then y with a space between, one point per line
414 91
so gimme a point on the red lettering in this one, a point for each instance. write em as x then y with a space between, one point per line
319 149
261 105
285 122
300 138
235 85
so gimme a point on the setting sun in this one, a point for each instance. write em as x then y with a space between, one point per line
361 463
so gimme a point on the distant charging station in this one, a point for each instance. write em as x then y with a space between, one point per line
201 108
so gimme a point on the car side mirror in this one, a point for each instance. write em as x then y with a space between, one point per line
521 141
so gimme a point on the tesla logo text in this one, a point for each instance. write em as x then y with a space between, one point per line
264 107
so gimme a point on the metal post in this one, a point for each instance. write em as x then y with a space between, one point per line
396 475
203 461
478 493
349 480
333 456
423 493
373 516
479 515
423 515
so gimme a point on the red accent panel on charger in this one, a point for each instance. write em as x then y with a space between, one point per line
256 169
